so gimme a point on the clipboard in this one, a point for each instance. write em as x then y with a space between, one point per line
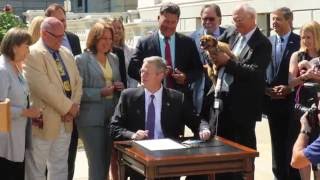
5 118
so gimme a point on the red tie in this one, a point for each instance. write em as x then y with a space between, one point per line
167 51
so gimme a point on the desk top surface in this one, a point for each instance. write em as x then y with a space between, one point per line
216 150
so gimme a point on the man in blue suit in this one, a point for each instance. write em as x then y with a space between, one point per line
210 19
278 105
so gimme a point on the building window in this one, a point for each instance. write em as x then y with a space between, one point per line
79 3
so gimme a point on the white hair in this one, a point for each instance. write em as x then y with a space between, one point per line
246 8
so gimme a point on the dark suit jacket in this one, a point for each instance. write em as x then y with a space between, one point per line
122 64
247 91
129 115
187 58
293 45
74 43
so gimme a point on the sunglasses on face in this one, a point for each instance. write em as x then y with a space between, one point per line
56 36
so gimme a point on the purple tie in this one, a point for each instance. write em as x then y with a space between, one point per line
151 116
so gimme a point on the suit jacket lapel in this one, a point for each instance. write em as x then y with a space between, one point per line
234 39
166 105
247 50
53 64
270 69
139 101
201 52
156 43
290 45
94 63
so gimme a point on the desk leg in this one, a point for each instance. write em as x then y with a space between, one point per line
248 176
150 173
249 170
211 176
121 170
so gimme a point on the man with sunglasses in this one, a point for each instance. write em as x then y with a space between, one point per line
210 20
56 87
72 42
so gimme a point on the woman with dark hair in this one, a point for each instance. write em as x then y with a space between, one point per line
14 49
99 69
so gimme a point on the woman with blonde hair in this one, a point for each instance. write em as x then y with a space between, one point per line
304 77
122 50
34 28
99 69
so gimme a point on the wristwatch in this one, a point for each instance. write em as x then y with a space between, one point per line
308 133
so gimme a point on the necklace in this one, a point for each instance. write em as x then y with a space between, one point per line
20 76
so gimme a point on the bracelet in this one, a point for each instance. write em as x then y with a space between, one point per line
308 133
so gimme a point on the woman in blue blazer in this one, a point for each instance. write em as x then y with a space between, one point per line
14 49
99 69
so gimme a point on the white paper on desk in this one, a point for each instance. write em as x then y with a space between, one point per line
160 144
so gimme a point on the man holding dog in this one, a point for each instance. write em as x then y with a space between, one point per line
277 103
210 20
242 107
242 100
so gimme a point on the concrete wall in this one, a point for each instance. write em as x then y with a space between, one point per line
304 11
105 5
21 6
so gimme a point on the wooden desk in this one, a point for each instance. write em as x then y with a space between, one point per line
226 157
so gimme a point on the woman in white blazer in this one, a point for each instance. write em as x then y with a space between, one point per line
14 49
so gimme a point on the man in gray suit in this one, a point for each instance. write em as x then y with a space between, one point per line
211 20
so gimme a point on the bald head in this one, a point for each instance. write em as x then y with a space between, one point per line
50 23
244 18
52 32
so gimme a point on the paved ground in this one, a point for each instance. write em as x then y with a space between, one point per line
263 162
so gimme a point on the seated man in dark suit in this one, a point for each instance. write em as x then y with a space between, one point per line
153 111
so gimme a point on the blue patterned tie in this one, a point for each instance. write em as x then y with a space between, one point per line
239 46
151 116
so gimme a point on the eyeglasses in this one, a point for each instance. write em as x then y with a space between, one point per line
56 36
209 19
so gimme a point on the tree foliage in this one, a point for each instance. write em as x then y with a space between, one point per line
7 21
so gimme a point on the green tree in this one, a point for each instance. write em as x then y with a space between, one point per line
7 21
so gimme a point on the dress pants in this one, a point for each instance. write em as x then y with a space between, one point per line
97 144
72 151
50 154
11 170
279 114
239 132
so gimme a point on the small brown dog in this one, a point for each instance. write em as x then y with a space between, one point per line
212 46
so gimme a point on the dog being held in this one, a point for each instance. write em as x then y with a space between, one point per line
212 46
